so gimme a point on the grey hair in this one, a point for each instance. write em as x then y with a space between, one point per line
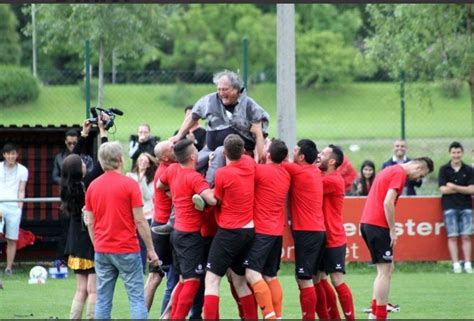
233 77
110 155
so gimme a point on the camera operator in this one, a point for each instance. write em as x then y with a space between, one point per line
141 143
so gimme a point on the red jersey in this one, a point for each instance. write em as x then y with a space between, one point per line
161 201
272 183
306 197
235 189
333 201
393 177
112 198
184 183
348 172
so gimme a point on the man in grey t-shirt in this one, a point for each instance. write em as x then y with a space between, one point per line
227 111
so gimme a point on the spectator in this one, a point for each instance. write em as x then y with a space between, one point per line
142 142
143 174
456 183
13 178
196 134
114 209
71 139
78 246
400 157
229 111
348 173
363 183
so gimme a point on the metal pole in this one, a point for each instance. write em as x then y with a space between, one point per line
245 53
33 23
88 78
33 200
286 79
402 103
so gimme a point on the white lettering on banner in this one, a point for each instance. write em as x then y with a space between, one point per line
351 250
410 227
286 253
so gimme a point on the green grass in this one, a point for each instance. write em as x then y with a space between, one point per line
423 291
366 114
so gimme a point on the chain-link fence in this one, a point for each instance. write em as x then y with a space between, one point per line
364 117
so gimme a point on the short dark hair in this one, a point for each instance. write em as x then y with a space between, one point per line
278 151
428 161
188 107
456 145
308 149
182 151
337 154
71 132
9 147
234 146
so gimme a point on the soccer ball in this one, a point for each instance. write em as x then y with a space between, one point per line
38 273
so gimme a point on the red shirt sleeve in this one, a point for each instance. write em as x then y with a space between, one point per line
88 200
137 200
164 177
397 182
329 185
199 184
218 186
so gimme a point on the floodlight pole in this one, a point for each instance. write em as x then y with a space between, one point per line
33 23
286 80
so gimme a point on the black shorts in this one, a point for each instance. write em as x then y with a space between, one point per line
265 254
378 241
162 245
229 249
188 252
309 246
334 260
207 241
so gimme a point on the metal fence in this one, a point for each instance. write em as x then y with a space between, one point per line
364 117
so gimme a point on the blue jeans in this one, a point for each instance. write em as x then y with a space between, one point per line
107 268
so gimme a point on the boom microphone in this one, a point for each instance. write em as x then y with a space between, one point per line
116 111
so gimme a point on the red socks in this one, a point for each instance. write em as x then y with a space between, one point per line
176 294
185 299
381 312
249 307
308 303
331 300
321 304
345 297
237 300
374 306
211 307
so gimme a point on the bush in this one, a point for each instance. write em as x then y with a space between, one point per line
94 88
178 96
452 88
17 85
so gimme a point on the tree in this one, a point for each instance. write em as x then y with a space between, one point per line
427 41
10 48
325 43
120 27
209 37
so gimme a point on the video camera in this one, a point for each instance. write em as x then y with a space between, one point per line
111 112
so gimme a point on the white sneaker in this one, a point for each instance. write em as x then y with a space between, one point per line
198 202
372 316
468 267
457 267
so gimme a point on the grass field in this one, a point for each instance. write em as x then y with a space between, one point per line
423 291
363 114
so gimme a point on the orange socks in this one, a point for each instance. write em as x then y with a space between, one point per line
277 296
264 299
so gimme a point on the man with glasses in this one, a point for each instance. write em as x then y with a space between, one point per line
70 141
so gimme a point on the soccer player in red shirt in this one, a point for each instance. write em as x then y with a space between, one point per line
307 221
333 261
162 205
114 208
183 181
234 191
378 223
272 183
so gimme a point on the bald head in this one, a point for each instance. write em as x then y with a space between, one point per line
164 151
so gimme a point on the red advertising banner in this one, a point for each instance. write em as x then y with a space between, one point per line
420 229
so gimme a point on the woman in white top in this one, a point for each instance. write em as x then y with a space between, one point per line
143 173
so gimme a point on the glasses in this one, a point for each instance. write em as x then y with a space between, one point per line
71 143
